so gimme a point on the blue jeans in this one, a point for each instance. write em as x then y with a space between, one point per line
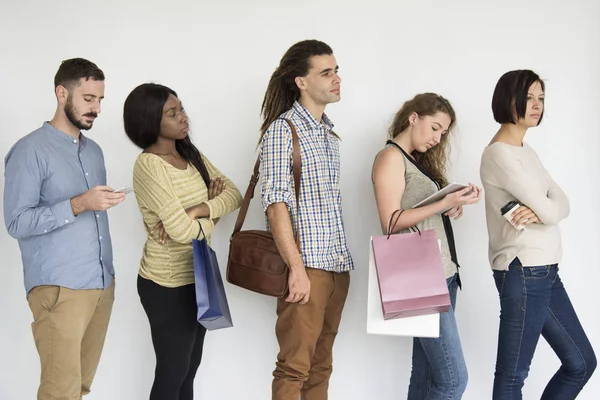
438 365
533 301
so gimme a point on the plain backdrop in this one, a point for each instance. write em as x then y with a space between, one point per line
219 56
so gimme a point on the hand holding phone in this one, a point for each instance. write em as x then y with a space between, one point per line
98 198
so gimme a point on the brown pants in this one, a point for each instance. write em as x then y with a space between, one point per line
69 329
306 333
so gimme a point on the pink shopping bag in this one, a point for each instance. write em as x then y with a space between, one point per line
410 273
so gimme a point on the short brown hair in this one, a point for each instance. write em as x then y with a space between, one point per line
71 71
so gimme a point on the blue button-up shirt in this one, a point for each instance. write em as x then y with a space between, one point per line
44 170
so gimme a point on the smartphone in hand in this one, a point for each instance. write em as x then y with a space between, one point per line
124 189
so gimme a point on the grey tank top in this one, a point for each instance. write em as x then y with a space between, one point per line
418 187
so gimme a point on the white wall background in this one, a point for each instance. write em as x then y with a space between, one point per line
219 56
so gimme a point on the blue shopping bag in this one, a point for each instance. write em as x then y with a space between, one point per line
213 309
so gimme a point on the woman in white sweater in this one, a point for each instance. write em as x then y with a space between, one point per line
525 249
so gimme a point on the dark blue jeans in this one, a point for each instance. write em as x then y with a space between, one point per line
439 371
533 301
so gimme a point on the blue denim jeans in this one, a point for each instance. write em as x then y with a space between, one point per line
438 365
533 301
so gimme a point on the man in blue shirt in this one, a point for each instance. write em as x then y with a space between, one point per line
55 202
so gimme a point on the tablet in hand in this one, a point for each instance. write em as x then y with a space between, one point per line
440 194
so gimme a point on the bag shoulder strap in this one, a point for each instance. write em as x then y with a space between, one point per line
296 164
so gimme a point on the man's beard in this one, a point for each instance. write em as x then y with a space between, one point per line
72 117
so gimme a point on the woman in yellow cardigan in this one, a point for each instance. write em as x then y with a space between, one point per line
181 196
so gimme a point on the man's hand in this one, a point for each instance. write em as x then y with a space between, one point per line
299 285
98 198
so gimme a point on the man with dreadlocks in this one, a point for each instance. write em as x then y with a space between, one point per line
308 318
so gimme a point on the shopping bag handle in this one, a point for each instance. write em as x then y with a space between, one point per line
201 231
391 226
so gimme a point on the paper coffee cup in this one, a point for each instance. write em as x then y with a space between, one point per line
508 210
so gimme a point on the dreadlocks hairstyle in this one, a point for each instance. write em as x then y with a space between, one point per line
282 90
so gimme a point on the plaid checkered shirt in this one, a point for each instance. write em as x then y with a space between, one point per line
322 238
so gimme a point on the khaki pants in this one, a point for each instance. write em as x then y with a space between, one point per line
306 333
69 329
